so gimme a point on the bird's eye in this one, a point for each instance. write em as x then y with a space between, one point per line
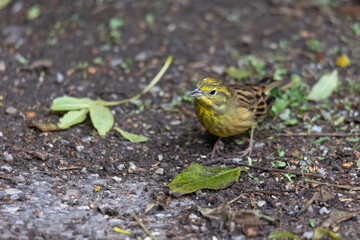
213 92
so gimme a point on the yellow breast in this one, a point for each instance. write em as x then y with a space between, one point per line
226 123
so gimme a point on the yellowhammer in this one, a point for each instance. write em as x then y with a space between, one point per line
230 109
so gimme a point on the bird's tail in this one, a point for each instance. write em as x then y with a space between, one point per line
270 83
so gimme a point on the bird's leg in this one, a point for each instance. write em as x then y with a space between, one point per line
248 151
215 148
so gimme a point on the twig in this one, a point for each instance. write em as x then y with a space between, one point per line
282 171
334 185
68 168
143 226
303 134
7 178
235 199
314 197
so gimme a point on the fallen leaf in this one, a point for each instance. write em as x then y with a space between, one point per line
282 235
323 232
343 61
46 127
196 177
119 230
326 85
4 3
134 138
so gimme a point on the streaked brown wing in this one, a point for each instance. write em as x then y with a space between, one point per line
254 98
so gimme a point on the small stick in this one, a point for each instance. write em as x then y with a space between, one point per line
68 168
231 201
282 171
334 185
143 226
303 134
314 197
7 178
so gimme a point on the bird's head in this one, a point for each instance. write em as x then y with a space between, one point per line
211 92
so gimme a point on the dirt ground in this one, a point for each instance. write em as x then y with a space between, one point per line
74 184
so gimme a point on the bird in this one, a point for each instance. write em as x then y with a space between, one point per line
226 109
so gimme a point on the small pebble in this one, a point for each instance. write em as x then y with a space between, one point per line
308 235
316 129
86 208
8 157
6 168
11 191
261 203
2 66
141 57
175 122
160 157
120 167
1 134
132 167
11 110
116 179
324 210
84 170
80 148
59 77
160 171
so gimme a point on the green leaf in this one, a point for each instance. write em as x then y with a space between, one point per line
4 3
278 164
353 139
33 12
238 73
101 118
21 59
356 29
339 121
314 45
358 163
278 106
281 153
312 222
326 85
320 140
281 235
70 103
134 138
321 232
289 122
196 177
116 23
73 117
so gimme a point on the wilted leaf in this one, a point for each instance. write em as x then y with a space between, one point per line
73 117
323 232
343 61
196 177
70 103
337 216
116 23
320 140
119 230
326 85
101 118
4 3
282 235
238 73
134 138
46 127
33 12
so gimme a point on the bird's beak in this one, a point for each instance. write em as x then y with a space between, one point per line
196 93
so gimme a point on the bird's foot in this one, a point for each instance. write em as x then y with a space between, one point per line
248 150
